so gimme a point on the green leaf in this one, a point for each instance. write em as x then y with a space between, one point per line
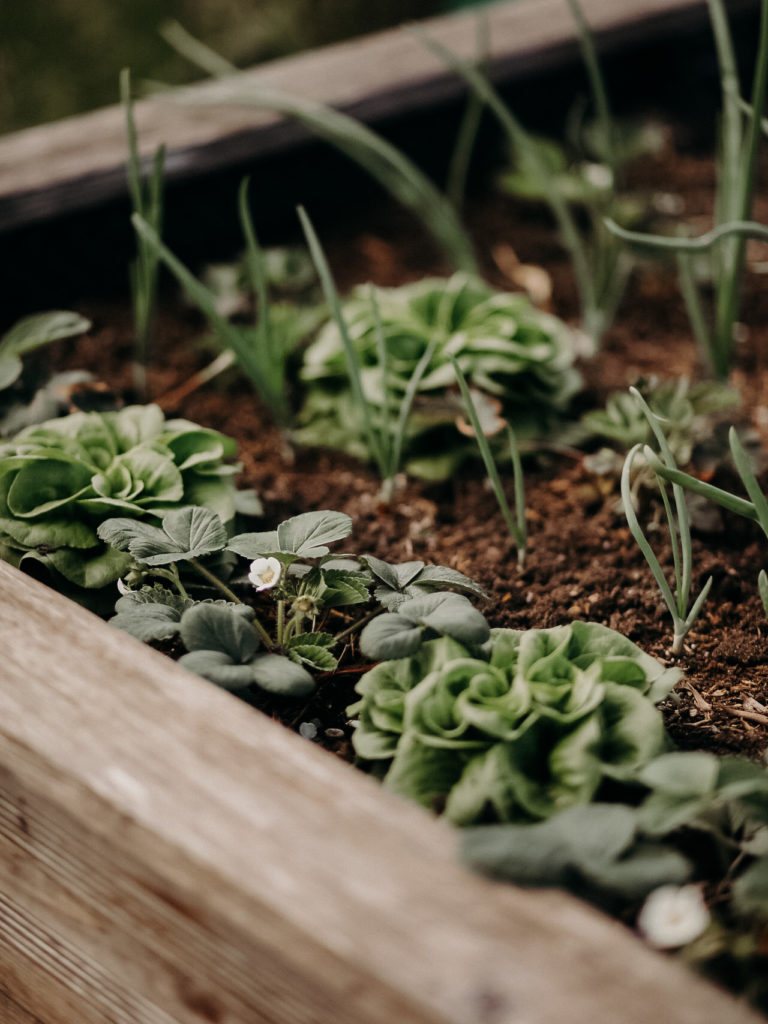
254 545
280 675
313 656
196 531
682 774
43 485
184 533
750 890
156 480
33 331
221 628
343 587
307 535
49 532
390 636
590 837
449 615
382 691
422 773
396 577
92 569
218 667
146 621
10 369
439 576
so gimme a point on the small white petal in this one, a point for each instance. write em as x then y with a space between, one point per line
672 916
265 573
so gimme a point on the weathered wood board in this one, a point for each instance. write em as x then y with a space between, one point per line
167 854
79 162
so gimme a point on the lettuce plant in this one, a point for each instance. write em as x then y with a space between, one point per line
60 479
503 345
515 728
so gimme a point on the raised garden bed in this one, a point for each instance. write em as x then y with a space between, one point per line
170 855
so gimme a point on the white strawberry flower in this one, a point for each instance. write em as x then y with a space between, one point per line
672 916
265 573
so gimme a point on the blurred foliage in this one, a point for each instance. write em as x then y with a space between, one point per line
60 57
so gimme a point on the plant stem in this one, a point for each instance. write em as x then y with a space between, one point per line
214 581
281 622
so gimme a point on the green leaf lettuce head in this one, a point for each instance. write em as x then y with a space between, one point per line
60 479
518 729
504 346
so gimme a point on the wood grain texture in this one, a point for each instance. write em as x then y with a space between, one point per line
168 855
79 162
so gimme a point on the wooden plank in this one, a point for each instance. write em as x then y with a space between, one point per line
79 162
167 854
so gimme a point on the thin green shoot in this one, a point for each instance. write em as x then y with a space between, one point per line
755 509
384 433
690 246
599 278
515 522
384 162
272 355
596 84
146 202
678 522
725 499
458 168
762 586
266 375
195 51
737 160
367 410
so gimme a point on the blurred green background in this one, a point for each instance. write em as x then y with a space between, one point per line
61 57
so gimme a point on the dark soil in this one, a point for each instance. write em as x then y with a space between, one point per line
582 560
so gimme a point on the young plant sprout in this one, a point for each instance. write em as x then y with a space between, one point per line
384 426
678 521
740 134
600 265
261 350
147 203
515 523
394 171
756 508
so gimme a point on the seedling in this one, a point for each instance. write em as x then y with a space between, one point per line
600 265
261 351
383 161
515 524
756 508
740 134
147 203
678 522
384 428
